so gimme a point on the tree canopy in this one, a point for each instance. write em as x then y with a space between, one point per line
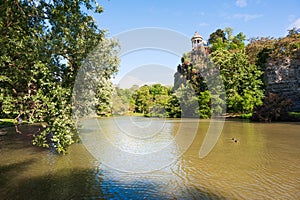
223 39
43 44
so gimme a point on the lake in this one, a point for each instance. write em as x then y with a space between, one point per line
148 158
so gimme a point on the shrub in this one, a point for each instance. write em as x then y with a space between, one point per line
274 108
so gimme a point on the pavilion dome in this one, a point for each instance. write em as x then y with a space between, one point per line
196 36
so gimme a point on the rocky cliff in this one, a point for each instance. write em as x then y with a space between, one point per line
282 76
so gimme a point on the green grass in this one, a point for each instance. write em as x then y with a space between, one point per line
295 114
246 116
6 122
137 114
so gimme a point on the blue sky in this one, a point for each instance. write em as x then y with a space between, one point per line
252 17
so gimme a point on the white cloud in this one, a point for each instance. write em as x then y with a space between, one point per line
295 24
241 3
246 17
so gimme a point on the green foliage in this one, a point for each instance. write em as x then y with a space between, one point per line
103 97
173 108
6 122
238 41
218 35
242 80
186 58
295 115
160 99
246 116
142 99
158 89
105 57
188 101
62 130
274 108
294 32
55 109
218 44
286 46
204 82
265 52
122 101
205 110
155 101
93 89
258 50
43 44
223 39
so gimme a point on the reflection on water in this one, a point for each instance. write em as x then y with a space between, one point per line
264 164
130 144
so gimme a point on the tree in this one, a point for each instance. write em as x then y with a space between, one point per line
238 41
294 31
173 108
188 100
160 97
265 53
156 101
286 46
105 59
219 33
122 101
142 99
218 44
43 44
242 80
204 101
158 89
224 39
274 108
258 50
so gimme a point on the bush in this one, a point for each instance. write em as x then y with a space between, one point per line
274 108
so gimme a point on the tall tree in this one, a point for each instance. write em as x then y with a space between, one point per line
242 80
219 33
224 39
142 99
258 50
42 46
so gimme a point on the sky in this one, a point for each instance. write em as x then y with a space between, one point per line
183 17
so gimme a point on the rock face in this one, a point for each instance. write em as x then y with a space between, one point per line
191 69
282 76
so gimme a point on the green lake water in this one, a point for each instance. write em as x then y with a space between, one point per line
144 158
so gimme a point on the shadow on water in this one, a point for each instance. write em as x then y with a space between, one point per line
10 170
12 140
89 184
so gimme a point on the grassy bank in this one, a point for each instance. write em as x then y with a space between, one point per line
295 115
6 122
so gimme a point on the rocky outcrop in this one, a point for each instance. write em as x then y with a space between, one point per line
282 76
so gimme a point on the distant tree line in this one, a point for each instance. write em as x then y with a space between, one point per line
149 100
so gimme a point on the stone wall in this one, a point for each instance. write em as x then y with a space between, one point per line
282 76
199 53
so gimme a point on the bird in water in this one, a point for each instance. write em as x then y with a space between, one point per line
235 140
